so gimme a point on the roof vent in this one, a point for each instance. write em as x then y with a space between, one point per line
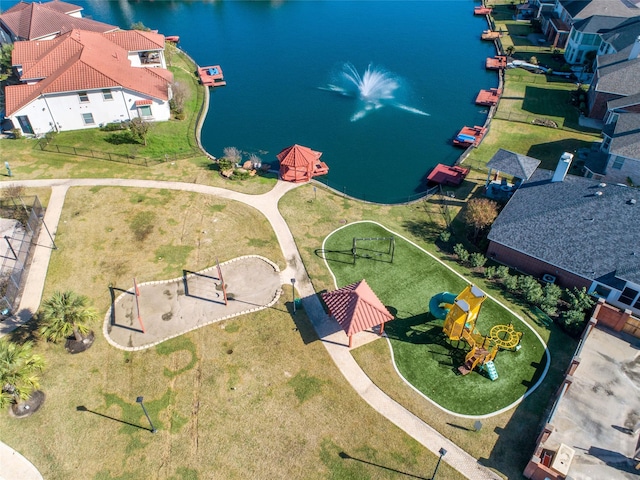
598 194
602 185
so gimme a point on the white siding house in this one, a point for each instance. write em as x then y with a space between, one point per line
86 79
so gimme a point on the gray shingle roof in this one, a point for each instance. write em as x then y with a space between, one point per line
569 225
617 74
598 23
624 34
625 140
514 164
613 8
629 101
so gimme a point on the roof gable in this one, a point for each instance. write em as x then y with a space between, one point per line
298 156
625 140
514 164
613 8
617 74
598 23
624 34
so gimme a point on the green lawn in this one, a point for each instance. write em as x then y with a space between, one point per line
424 356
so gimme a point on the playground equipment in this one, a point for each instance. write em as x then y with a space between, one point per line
460 314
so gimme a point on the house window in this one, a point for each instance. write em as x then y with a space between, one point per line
618 162
145 110
87 118
84 97
628 296
601 291
606 143
106 95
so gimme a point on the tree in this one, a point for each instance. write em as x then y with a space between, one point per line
66 314
510 50
579 299
139 129
6 64
480 213
139 26
232 154
461 252
531 289
179 94
19 368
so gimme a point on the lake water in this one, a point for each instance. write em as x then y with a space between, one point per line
283 61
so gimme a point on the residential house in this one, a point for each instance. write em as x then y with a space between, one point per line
620 37
586 37
574 231
619 161
615 77
45 21
84 79
556 24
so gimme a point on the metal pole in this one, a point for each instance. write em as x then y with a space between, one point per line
50 236
139 400
293 293
442 452
10 247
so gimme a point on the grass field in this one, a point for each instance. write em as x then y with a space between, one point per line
424 356
251 398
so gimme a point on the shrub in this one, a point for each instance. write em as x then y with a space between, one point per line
533 60
461 252
477 260
551 294
502 272
224 164
511 282
579 299
531 289
112 127
17 133
490 272
573 321
445 236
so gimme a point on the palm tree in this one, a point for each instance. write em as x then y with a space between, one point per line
19 368
64 314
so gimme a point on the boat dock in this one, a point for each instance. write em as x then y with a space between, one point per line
446 175
488 98
498 62
482 10
490 35
211 76
470 136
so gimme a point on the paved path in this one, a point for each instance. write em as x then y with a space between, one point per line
334 339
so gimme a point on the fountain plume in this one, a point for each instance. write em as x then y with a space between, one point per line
375 89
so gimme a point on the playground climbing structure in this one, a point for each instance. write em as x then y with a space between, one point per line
460 314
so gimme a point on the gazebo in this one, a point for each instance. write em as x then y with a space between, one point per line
356 308
518 166
300 164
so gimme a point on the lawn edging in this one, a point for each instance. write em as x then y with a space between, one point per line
519 317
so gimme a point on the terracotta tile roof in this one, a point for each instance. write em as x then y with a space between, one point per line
136 40
356 308
30 21
298 156
79 61
139 103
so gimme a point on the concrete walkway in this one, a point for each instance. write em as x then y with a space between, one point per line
334 339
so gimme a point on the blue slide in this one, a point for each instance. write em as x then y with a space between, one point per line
438 299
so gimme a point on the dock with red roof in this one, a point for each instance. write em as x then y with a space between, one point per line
498 62
488 98
470 136
446 175
211 76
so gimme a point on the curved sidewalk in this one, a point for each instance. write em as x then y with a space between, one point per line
334 340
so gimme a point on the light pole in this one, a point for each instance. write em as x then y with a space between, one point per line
293 292
153 429
442 453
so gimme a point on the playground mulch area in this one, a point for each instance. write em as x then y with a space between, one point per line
172 307
424 356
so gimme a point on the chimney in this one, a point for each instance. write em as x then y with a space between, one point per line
563 167
635 49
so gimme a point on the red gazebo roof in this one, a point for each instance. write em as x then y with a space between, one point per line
298 156
356 307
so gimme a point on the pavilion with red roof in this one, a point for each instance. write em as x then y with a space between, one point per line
356 308
300 164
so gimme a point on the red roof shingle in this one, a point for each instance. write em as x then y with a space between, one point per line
356 307
298 156
31 21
